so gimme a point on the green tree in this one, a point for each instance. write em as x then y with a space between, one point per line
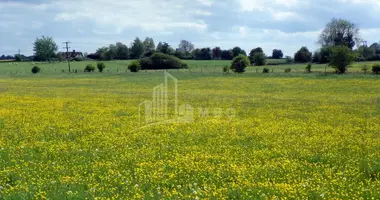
340 32
18 58
149 44
216 53
367 52
341 58
259 59
237 51
137 48
44 48
227 55
186 47
102 53
239 63
112 52
303 55
122 51
277 54
253 52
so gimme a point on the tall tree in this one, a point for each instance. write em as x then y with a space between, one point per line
237 51
101 53
112 51
159 47
253 52
44 48
137 48
186 47
122 51
277 54
217 53
149 44
165 48
303 55
340 32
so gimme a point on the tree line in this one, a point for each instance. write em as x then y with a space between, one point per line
337 33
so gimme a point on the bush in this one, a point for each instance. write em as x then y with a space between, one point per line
36 70
101 66
18 58
161 61
308 68
341 58
134 66
239 63
376 69
289 60
287 70
259 59
365 68
225 69
265 70
89 68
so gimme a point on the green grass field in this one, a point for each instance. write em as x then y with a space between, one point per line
293 136
194 66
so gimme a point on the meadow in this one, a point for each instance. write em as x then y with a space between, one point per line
294 136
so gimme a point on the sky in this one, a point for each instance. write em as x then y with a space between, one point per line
270 24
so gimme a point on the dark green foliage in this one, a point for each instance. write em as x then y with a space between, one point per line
101 66
137 48
277 54
253 52
303 55
239 63
202 54
36 70
341 58
161 61
265 70
376 69
89 68
236 51
227 55
308 68
122 51
134 66
259 59
225 69
18 58
216 53
287 70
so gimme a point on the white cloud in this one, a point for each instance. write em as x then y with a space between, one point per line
243 31
148 15
284 16
206 2
276 8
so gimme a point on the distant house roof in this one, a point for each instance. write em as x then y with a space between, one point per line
72 54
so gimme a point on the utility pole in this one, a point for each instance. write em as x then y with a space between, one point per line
67 53
365 43
19 52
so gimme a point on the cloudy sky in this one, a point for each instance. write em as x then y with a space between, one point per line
89 24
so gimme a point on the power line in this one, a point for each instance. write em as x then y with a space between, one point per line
67 53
